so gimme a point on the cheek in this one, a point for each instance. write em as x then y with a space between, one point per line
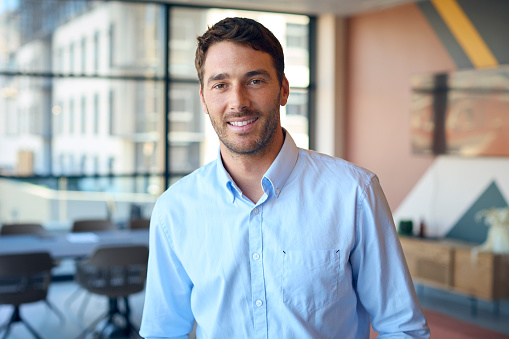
212 101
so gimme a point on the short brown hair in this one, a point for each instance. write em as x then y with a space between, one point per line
242 31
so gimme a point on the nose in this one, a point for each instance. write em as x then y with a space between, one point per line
238 99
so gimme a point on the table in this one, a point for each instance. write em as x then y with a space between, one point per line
71 245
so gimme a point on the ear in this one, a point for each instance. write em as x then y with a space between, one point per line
285 91
203 104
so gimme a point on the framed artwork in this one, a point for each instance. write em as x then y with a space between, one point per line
462 113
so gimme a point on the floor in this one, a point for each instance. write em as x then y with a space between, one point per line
68 299
484 314
76 319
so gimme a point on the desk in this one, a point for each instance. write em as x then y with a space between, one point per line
71 245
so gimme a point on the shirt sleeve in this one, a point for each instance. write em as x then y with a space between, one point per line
383 283
167 309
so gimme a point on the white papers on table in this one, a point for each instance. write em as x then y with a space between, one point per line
82 237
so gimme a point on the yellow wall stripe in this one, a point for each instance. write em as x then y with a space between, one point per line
465 33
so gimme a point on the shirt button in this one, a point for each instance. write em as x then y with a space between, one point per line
256 256
259 303
277 191
255 211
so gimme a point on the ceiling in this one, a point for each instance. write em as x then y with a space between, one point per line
312 7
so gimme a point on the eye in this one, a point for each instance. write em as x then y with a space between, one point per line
219 86
255 81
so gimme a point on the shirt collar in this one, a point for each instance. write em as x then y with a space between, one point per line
277 174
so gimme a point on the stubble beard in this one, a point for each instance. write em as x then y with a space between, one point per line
262 142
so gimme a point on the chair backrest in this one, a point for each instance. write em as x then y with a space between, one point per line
92 225
140 223
24 277
114 271
9 229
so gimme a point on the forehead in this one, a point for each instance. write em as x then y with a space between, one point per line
227 56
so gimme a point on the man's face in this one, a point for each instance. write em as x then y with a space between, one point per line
242 95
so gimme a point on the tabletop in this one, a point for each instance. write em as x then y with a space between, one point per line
71 245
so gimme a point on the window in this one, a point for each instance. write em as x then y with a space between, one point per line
95 121
111 36
99 101
71 117
83 115
71 58
111 112
83 55
96 52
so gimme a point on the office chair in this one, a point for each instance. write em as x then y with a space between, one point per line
138 223
87 225
24 278
9 229
115 272
37 229
92 225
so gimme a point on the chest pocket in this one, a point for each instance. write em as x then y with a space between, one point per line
310 279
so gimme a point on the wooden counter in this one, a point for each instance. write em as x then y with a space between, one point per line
450 265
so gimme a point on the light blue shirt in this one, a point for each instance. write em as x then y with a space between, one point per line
316 257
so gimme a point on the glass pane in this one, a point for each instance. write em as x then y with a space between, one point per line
185 25
82 37
57 202
294 117
187 138
188 23
72 126
291 30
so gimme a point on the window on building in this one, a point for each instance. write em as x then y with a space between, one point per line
71 57
111 40
71 117
99 75
96 52
83 60
97 115
111 112
83 122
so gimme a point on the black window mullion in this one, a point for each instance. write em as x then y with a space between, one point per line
166 105
312 82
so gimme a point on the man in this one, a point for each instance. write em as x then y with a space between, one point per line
269 240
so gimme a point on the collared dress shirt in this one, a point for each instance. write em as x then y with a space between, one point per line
316 257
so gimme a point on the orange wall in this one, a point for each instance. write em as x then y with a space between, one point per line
384 49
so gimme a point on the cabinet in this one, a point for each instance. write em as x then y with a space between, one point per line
451 265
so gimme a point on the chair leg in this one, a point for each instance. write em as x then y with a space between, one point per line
84 302
83 305
107 317
7 327
129 327
34 333
55 310
16 317
90 327
7 330
13 319
71 298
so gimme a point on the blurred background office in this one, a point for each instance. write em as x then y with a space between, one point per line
103 97
100 113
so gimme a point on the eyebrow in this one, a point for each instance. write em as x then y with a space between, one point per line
216 77
222 76
257 72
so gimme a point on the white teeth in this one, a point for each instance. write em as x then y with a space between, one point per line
242 123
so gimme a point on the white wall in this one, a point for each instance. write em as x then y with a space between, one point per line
449 188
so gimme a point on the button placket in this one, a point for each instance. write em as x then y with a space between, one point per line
257 274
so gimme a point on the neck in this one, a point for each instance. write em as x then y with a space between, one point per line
247 170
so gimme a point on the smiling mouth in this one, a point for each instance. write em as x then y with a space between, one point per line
242 123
